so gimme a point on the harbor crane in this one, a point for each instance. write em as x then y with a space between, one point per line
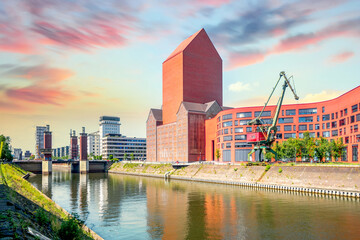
264 135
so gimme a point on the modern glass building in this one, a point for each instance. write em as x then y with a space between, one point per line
118 145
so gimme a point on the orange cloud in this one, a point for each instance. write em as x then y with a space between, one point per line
341 57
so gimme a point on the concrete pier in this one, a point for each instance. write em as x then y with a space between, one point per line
84 166
46 167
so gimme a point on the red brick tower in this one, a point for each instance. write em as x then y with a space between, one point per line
83 145
47 151
192 73
73 145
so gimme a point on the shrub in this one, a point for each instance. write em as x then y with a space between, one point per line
71 228
280 170
267 167
42 217
235 169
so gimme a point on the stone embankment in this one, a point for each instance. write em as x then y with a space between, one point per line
27 213
326 179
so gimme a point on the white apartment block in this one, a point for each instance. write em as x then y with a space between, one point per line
117 145
39 141
108 125
93 143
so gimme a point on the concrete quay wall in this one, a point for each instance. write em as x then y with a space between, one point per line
336 180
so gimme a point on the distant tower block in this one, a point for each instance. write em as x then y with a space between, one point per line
47 151
84 164
73 145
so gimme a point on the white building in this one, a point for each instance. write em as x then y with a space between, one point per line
39 141
117 145
93 143
108 125
17 153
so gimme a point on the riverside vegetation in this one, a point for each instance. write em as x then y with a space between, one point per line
24 206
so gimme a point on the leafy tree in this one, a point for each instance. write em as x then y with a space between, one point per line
5 151
111 157
321 147
337 148
125 156
132 156
217 154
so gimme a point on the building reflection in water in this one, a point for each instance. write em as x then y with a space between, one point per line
46 184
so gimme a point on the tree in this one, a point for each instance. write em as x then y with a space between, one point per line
217 154
5 153
337 148
132 157
320 149
32 157
125 156
111 157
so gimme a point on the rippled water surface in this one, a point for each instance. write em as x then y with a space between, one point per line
128 207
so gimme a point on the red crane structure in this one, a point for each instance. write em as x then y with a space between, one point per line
264 135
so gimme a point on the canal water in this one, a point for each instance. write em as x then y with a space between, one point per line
130 207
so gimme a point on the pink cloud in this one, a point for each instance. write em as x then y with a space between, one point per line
241 59
215 3
341 57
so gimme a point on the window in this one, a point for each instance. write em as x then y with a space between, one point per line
278 128
326 117
302 127
346 140
226 155
355 128
311 126
305 119
267 121
218 119
294 127
290 112
228 138
240 137
334 133
326 134
358 117
323 125
317 127
312 134
354 153
332 116
345 111
227 116
354 108
307 111
289 135
286 120
301 135
242 145
341 122
227 124
244 115
323 109
228 145
226 131
236 122
336 115
243 122
327 125
282 112
287 128
334 124
279 136
317 118
249 129
264 114
341 113
239 130
352 119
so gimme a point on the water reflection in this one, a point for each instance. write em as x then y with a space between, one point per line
128 207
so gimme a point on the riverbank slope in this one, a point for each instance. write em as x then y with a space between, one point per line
341 178
26 213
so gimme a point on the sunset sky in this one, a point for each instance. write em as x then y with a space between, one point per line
65 63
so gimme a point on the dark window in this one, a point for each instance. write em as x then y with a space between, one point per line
289 135
352 119
332 116
354 108
311 126
317 126
279 136
290 112
336 115
342 122
282 112
228 138
242 145
345 111
239 130
228 145
344 156
341 113
278 128
286 120
227 116
307 111
326 117
356 128
264 114
355 153
302 127
249 129
334 124
358 117
240 137
327 125
227 124
243 114
287 128
317 118
323 109
305 119
334 133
